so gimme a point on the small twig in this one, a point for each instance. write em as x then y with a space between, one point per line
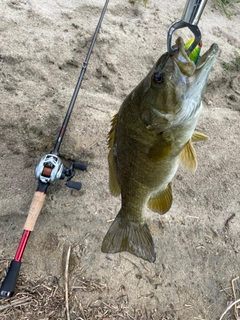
228 220
81 309
96 108
107 305
235 298
95 142
225 290
129 316
66 282
55 290
46 287
16 303
133 264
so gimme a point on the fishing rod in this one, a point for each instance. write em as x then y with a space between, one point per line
49 169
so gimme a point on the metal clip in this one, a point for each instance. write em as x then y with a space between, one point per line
190 18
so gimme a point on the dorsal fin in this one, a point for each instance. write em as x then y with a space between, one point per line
112 164
161 202
188 157
112 132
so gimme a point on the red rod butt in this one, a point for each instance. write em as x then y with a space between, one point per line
10 281
22 245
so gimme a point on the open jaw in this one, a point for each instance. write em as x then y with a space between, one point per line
188 67
208 56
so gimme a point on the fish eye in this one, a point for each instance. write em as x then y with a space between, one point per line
158 77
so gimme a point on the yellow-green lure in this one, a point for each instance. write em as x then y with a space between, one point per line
194 55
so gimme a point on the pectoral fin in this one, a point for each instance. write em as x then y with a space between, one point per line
198 136
188 157
162 202
113 180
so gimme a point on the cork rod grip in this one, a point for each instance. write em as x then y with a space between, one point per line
35 209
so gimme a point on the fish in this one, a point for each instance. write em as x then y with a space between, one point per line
151 135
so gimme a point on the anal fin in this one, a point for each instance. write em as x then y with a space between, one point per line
161 202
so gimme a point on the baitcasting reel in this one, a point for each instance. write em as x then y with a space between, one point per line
51 168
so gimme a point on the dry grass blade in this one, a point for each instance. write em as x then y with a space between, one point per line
229 307
66 283
41 299
235 298
234 304
18 302
89 285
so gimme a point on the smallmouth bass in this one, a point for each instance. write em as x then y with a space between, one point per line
150 136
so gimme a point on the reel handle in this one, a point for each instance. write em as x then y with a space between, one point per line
74 185
79 166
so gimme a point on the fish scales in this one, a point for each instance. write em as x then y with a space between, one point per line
150 136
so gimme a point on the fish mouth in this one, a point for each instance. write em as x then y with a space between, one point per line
208 56
187 66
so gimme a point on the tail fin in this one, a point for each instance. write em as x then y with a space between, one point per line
124 235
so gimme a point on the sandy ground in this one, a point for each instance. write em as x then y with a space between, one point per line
43 45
